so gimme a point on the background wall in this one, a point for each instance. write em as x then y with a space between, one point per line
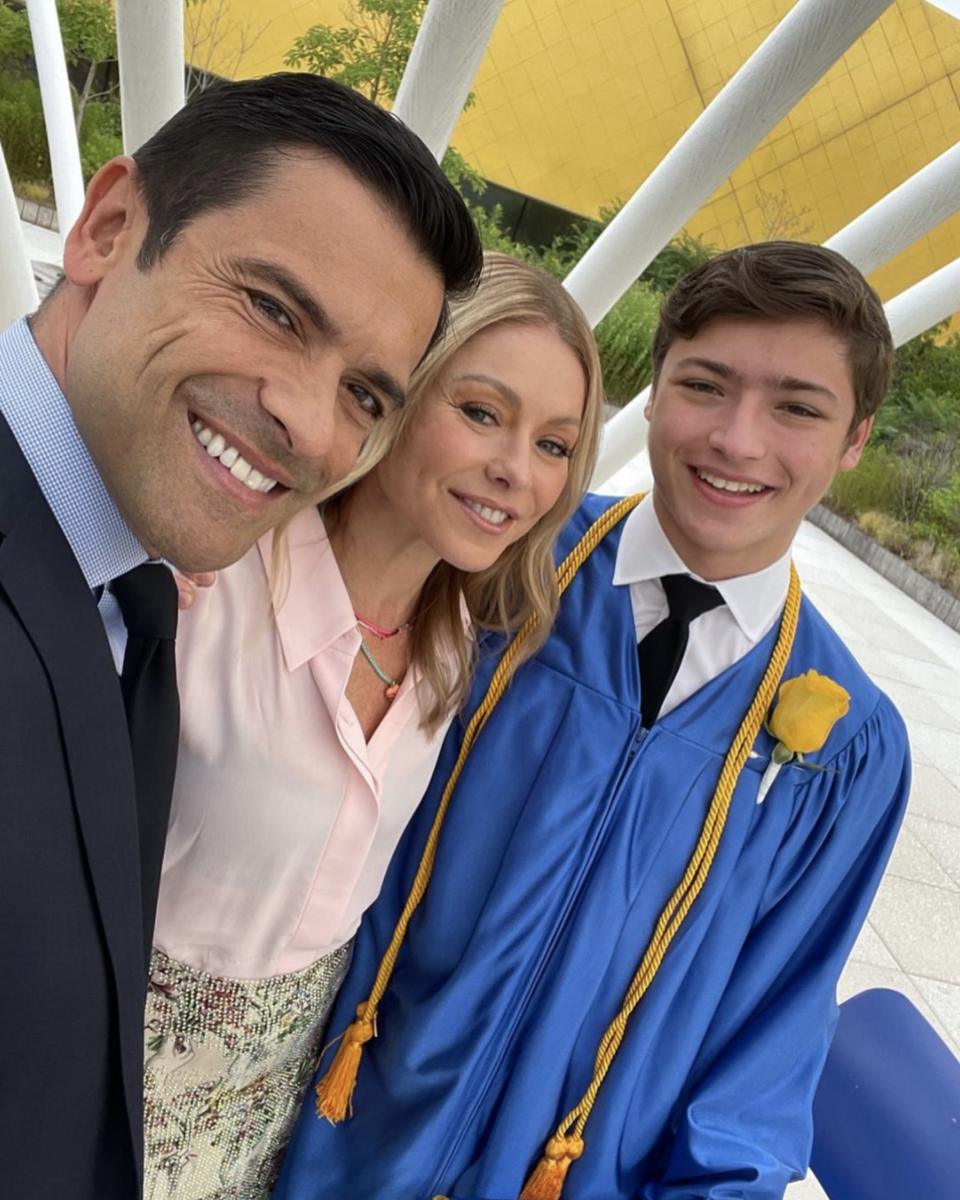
578 100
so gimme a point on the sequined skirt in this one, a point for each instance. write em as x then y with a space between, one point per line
227 1064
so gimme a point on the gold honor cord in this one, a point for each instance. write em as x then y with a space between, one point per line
335 1089
546 1181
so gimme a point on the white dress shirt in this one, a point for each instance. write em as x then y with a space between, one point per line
719 638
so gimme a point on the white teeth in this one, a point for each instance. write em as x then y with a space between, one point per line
231 458
730 485
494 515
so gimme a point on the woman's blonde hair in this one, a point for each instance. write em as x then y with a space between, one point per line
522 580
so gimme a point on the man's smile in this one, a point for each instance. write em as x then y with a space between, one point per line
217 446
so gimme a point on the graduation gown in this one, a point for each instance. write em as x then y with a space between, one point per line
569 829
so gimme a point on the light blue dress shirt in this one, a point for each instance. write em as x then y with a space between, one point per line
42 422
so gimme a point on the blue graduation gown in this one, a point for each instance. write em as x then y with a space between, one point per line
567 833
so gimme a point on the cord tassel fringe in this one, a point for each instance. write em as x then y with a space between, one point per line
546 1182
335 1089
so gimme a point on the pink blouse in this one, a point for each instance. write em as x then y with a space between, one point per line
284 818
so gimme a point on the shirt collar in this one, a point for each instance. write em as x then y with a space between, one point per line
42 422
312 608
646 553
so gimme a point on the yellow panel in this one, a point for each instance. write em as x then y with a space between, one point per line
578 100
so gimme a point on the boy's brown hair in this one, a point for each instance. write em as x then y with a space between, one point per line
787 281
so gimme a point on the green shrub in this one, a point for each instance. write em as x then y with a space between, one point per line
888 531
100 137
917 412
683 255
624 339
22 131
928 363
941 510
871 487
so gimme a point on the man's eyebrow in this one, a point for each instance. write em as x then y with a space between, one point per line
511 396
782 383
295 289
300 294
384 382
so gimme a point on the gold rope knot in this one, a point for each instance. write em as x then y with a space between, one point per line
363 1029
559 1148
547 1180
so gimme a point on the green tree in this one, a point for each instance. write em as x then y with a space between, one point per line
90 46
89 32
369 53
15 42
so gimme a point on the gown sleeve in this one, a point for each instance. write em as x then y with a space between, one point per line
743 1125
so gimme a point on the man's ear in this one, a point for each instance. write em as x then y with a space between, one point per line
648 407
855 444
104 228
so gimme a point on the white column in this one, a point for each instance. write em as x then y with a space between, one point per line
909 212
150 50
813 35
624 436
18 291
58 112
450 46
925 304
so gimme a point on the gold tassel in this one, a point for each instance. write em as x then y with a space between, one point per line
335 1089
546 1182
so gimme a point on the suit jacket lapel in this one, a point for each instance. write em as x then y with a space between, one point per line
46 587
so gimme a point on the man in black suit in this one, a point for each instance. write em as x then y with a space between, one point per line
243 301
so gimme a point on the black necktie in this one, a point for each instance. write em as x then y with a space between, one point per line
147 597
661 651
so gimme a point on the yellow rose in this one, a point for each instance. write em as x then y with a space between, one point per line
807 709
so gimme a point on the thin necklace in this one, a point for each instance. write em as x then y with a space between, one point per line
376 629
393 685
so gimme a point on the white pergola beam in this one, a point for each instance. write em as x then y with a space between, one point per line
58 115
150 52
925 304
804 45
446 55
18 291
907 213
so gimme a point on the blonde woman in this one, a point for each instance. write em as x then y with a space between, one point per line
311 725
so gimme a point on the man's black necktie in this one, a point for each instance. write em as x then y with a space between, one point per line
147 597
661 651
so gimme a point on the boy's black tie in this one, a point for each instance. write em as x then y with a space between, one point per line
661 651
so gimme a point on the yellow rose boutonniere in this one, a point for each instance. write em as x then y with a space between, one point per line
807 709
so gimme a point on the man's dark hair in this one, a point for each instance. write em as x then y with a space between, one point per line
221 149
787 281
